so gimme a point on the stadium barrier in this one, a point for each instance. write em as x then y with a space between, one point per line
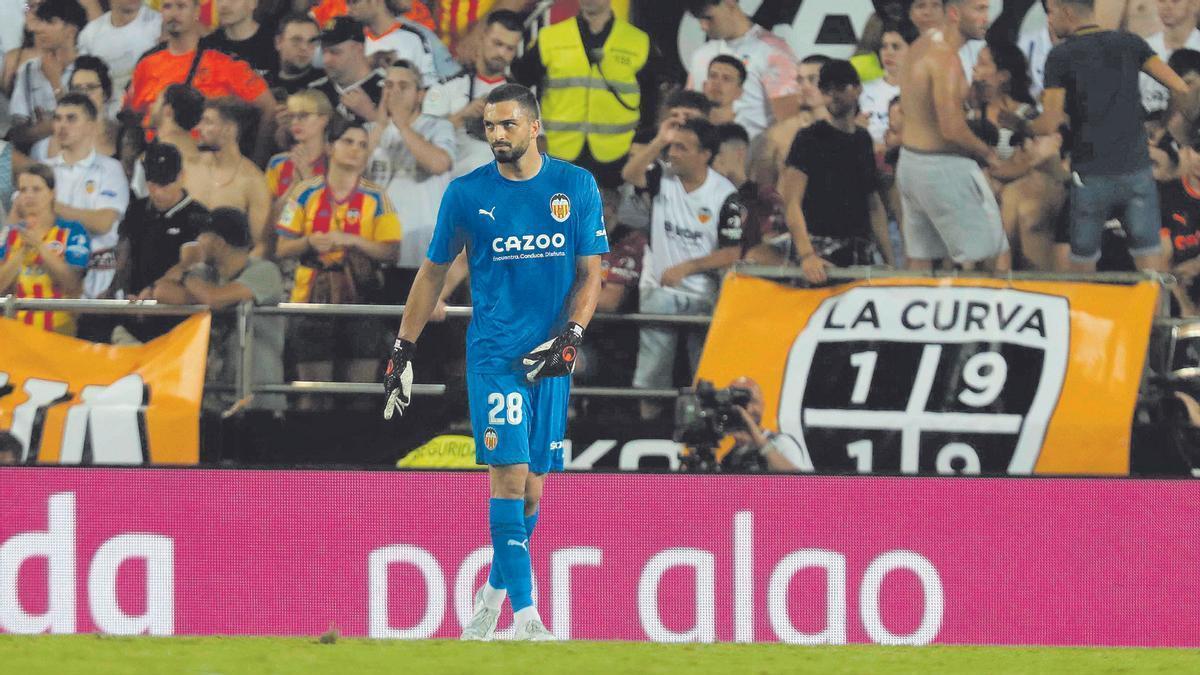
667 558
730 357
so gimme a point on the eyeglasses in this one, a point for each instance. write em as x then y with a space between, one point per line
86 88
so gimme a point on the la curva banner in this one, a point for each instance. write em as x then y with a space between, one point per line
799 559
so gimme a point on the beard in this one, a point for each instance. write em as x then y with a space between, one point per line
510 153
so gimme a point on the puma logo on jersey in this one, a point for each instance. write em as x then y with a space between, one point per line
523 544
488 213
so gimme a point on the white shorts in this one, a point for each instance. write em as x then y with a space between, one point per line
949 209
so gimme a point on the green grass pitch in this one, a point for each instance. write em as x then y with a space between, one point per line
100 655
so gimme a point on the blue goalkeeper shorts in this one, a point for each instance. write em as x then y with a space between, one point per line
515 422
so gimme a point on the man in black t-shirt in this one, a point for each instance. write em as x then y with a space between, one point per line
154 229
243 37
1091 79
296 43
830 185
1180 204
350 84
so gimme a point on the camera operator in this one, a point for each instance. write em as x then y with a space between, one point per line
756 449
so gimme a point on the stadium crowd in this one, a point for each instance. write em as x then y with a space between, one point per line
220 151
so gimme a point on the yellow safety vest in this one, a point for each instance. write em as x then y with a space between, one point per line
577 104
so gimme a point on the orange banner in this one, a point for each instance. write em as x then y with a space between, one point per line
74 402
941 375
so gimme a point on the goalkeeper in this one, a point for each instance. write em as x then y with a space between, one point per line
533 231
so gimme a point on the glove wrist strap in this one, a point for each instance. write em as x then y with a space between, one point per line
404 345
575 328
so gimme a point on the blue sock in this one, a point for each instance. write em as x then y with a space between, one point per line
510 547
495 576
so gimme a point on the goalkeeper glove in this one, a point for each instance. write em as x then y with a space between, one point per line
554 357
397 383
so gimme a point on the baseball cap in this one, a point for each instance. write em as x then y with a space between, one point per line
229 224
162 163
836 74
342 30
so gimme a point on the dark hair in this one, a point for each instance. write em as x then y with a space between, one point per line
10 445
186 103
68 11
295 17
41 171
1185 61
411 67
836 74
338 126
1010 59
686 98
1086 4
515 92
815 59
706 133
905 29
732 62
97 66
507 18
732 132
77 99
697 7
231 109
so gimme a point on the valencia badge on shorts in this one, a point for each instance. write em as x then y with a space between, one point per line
490 439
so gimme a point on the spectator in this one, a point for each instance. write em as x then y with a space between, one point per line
459 25
461 99
173 117
182 60
154 229
91 188
387 39
241 37
929 14
11 449
680 106
119 37
686 245
767 161
218 270
877 95
296 42
1092 80
1028 175
23 47
756 449
949 210
413 157
590 118
415 17
90 78
42 255
758 211
341 228
1036 45
308 114
350 85
830 186
723 86
771 91
41 80
225 177
1180 204
1179 32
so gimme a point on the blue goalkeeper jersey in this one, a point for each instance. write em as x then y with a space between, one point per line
522 238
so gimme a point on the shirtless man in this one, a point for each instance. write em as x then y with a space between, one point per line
949 209
223 176
767 159
1135 16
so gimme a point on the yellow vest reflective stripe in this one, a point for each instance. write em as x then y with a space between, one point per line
577 105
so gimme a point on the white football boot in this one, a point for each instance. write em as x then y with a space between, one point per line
534 631
483 624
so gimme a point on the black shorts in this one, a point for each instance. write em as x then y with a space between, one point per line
332 338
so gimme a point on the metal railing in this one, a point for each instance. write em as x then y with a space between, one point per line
246 312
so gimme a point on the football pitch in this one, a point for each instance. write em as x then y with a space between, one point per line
101 655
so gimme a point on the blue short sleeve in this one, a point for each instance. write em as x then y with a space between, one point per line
449 238
590 236
79 246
